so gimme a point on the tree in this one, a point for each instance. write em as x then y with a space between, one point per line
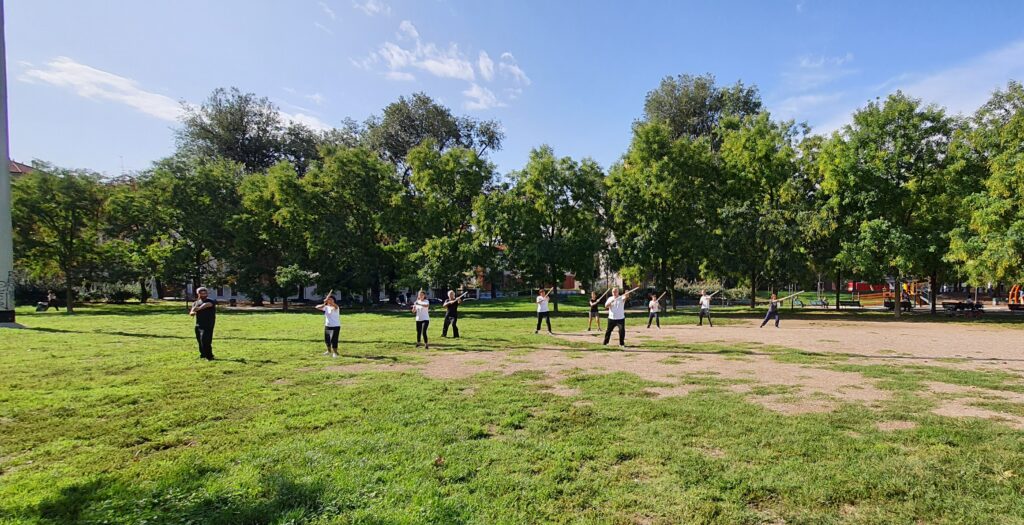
291 278
409 122
134 228
879 178
989 244
692 106
57 219
662 203
446 185
555 227
758 231
201 197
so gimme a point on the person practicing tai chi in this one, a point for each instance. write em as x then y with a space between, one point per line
705 307
332 323
205 312
653 309
451 315
773 308
616 305
421 307
595 301
542 309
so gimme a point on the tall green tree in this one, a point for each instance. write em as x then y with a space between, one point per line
134 228
446 185
692 106
662 199
556 218
57 217
880 177
989 244
758 232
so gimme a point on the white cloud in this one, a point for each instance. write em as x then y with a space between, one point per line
797 107
486 66
96 84
91 83
323 28
449 63
509 66
373 7
327 10
408 29
315 98
400 76
812 72
479 97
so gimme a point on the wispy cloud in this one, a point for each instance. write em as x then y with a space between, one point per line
327 10
812 72
408 53
479 97
323 28
509 66
96 84
315 98
486 66
373 7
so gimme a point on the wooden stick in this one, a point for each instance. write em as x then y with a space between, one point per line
714 294
604 294
663 295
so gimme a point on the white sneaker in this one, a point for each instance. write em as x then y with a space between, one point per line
327 352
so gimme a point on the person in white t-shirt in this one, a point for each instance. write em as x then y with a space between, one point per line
654 309
705 307
616 305
332 323
542 309
422 310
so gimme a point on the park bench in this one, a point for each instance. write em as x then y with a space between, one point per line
849 303
820 302
954 308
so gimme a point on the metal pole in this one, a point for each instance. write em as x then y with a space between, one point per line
6 235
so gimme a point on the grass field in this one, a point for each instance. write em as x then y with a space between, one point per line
108 416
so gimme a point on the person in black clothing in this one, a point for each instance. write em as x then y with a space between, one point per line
205 312
451 316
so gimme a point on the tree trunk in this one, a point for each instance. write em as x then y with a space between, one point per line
257 300
69 297
934 285
284 304
143 291
554 297
753 289
839 287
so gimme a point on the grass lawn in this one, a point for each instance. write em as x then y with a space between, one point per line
108 416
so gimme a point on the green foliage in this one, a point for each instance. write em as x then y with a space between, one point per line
57 216
692 106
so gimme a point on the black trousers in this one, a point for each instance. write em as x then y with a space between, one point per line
769 315
704 313
546 316
653 316
612 323
331 337
421 331
453 321
204 336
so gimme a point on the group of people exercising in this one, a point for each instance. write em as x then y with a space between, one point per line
204 311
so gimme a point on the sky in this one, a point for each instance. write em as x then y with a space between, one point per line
98 84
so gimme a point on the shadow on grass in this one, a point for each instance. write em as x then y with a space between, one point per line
279 498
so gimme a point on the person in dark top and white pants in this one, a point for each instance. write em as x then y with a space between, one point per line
451 315
205 312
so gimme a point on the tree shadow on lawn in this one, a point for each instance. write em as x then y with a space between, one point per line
181 499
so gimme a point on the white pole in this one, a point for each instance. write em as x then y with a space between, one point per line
6 235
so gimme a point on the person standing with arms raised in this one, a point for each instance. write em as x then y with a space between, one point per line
616 305
422 310
705 307
451 315
654 309
332 323
205 312
773 308
593 315
542 309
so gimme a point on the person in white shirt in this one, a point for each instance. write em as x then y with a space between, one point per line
332 323
422 310
542 309
654 309
616 306
705 307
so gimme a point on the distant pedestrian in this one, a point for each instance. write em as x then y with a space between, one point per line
332 323
705 307
595 302
654 309
542 309
205 312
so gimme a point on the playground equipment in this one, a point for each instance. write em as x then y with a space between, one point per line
912 294
1015 300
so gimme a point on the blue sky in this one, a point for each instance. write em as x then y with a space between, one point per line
95 84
